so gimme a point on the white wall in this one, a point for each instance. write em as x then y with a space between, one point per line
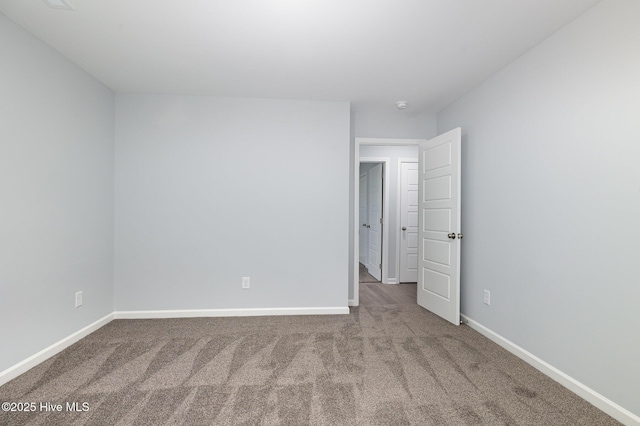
551 200
56 187
212 189
393 123
393 153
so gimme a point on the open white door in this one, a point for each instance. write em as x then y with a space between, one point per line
374 224
439 231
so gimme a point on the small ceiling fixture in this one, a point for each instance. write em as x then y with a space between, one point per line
402 104
58 4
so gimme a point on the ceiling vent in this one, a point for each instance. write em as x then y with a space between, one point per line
58 4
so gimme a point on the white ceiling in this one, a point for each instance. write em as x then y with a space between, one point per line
369 52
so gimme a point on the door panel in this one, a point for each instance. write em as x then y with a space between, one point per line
437 220
438 188
438 156
438 284
439 210
437 252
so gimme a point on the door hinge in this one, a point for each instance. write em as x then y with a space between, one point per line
380 266
380 221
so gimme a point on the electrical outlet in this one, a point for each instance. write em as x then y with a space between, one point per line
78 299
487 297
246 282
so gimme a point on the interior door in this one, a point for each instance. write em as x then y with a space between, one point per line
374 224
364 232
439 226
408 222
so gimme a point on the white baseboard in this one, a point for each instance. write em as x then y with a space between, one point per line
611 408
194 313
352 302
21 367
392 281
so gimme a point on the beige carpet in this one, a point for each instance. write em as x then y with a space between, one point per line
380 365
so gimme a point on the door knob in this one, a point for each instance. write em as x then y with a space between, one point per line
452 236
459 236
364 224
368 226
404 228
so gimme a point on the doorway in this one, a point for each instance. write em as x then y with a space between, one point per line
389 239
439 173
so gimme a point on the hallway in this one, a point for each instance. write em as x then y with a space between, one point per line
373 292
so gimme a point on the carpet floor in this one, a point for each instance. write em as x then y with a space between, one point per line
365 276
391 364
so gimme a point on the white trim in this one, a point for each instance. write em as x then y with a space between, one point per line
352 302
384 276
250 312
356 190
611 408
21 367
392 281
398 213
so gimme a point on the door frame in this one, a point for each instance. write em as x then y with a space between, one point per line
398 214
355 168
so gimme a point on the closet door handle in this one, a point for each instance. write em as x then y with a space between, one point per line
404 228
452 236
